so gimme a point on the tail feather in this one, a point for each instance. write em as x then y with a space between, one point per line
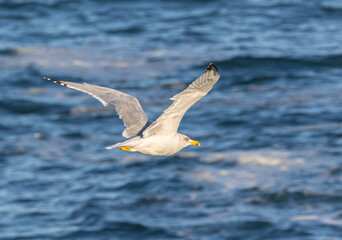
114 146
129 143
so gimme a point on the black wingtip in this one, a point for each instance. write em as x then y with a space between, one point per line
49 79
55 81
212 67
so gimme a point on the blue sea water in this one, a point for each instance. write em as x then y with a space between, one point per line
269 165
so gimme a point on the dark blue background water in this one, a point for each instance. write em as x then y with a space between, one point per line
269 165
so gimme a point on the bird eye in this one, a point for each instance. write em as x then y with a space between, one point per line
187 139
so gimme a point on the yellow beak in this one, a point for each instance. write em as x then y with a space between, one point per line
195 143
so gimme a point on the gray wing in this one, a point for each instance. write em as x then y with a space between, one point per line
169 121
127 107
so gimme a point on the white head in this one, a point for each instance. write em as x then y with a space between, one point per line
187 141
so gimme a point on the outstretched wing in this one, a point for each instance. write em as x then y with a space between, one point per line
169 121
127 107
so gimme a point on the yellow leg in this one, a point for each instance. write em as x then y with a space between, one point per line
125 148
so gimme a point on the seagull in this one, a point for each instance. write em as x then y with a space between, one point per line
161 138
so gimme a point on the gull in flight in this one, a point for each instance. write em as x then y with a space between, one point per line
161 137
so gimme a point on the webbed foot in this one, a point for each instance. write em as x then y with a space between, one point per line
125 148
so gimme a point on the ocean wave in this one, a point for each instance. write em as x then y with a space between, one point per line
331 7
282 62
33 4
298 196
92 222
25 106
126 30
8 52
333 219
120 230
265 158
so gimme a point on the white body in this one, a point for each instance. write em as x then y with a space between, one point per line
156 145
